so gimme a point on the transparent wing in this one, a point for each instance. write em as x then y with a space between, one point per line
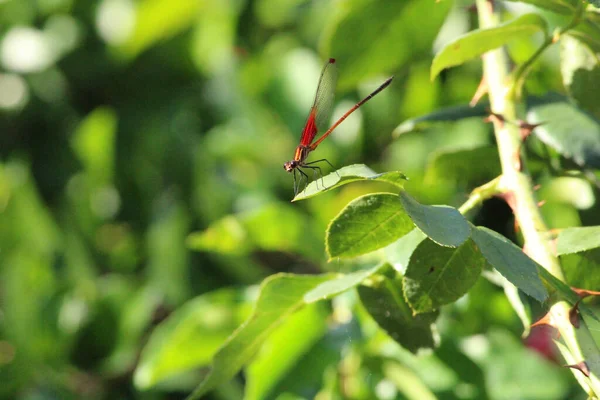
320 113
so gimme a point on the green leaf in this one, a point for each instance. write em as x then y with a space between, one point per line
157 20
331 288
384 301
471 166
190 336
442 115
480 41
580 69
442 224
510 261
575 240
572 132
439 275
284 349
398 253
348 174
366 224
582 270
390 40
281 295
274 227
565 7
588 32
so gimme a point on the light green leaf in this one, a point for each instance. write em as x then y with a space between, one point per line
442 224
283 349
480 41
384 301
572 132
190 336
366 224
510 261
281 295
588 32
580 69
331 288
565 7
438 275
348 174
390 40
574 240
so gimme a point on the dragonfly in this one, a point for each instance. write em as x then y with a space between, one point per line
318 120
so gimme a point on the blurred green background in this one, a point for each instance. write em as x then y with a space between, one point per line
126 125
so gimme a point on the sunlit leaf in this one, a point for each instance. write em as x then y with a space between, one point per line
510 261
348 174
479 41
191 336
580 69
572 132
366 224
588 32
330 288
283 349
565 7
575 240
384 301
280 296
390 40
442 224
438 275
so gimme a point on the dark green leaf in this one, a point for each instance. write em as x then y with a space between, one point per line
348 174
366 224
570 131
471 166
510 261
580 69
574 240
191 336
384 301
565 7
390 40
439 275
442 224
479 41
448 114
281 295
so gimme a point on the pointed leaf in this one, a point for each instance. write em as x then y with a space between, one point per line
442 224
190 336
384 301
510 261
572 132
366 224
348 174
439 275
574 240
331 288
281 295
480 41
441 115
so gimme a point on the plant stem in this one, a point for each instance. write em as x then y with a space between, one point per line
516 182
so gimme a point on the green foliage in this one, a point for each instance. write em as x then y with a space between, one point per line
149 246
479 41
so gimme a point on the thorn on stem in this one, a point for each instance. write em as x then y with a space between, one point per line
525 128
537 187
482 89
541 203
497 118
574 315
582 367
